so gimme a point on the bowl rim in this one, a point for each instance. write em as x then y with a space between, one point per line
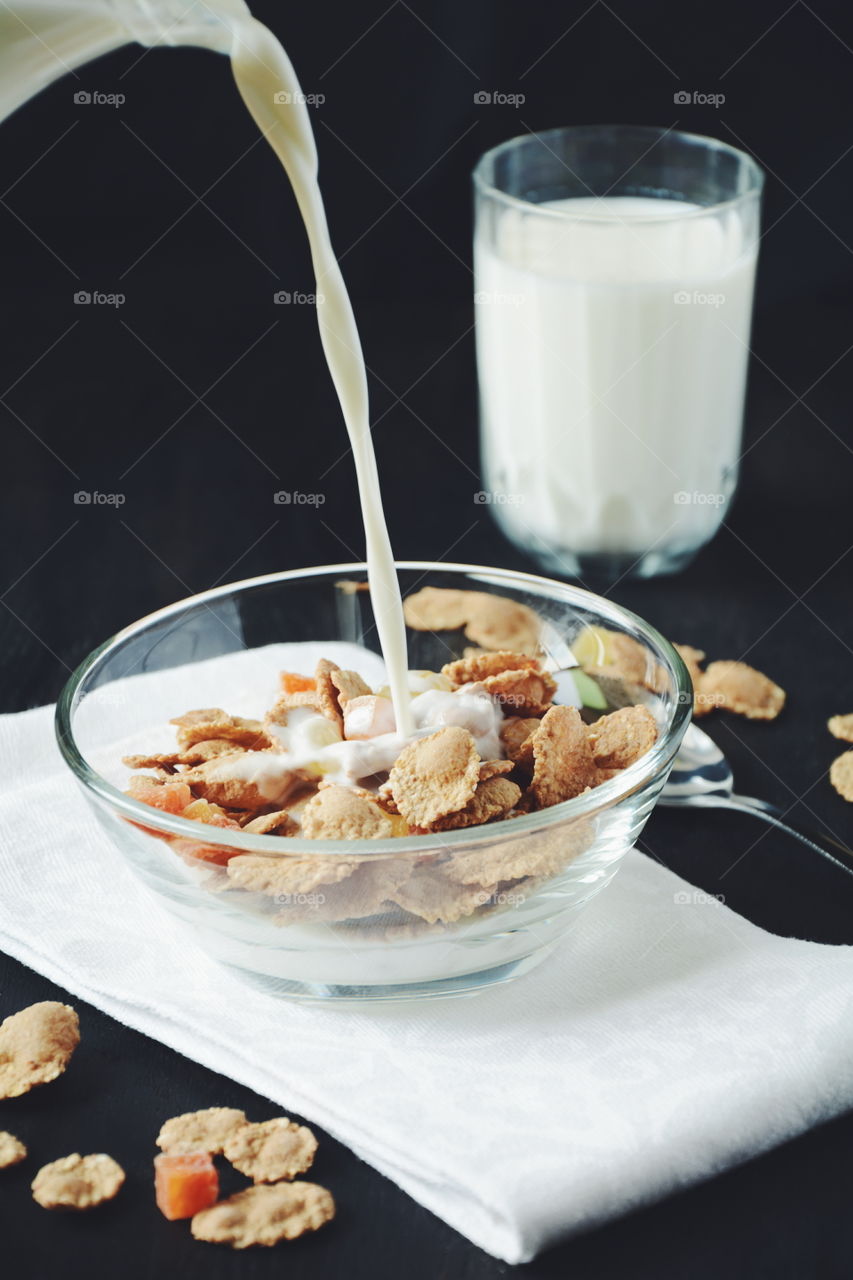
604 796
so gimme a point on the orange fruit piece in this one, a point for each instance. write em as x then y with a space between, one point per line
293 683
185 1184
171 797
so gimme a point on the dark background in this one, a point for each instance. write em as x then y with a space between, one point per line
198 398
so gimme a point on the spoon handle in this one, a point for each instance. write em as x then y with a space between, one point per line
761 809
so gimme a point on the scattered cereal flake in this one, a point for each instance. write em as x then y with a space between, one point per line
522 692
491 621
77 1182
286 874
841 727
841 775
471 669
492 799
36 1045
563 766
337 813
271 1150
620 738
435 776
493 768
436 609
515 735
206 1130
496 622
213 722
279 823
740 688
692 659
264 1215
349 685
429 894
12 1150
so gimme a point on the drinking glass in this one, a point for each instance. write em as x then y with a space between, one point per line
614 272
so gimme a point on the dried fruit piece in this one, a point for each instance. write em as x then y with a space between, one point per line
77 1182
493 799
184 1184
264 1215
563 766
36 1045
841 727
841 775
435 776
271 1150
740 688
12 1150
337 813
291 682
205 1131
287 875
620 738
170 797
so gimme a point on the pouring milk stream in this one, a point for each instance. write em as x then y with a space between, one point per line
43 39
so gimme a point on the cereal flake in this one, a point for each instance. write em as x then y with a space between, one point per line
12 1150
740 688
271 1150
563 766
841 727
36 1045
620 738
841 775
337 813
264 1215
206 1130
436 775
77 1182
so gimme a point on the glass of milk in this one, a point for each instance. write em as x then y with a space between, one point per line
614 269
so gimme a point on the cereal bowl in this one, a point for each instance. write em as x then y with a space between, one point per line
447 912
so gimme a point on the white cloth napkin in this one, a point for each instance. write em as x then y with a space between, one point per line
666 1039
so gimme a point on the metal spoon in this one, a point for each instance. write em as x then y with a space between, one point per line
701 777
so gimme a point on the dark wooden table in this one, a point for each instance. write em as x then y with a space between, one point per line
116 400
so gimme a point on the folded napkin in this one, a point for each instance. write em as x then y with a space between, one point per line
666 1038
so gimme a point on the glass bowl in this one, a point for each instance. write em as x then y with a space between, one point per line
338 937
